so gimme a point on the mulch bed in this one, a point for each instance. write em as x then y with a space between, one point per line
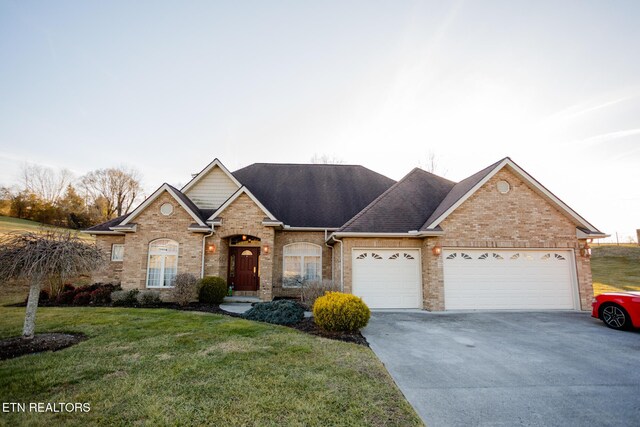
14 347
307 325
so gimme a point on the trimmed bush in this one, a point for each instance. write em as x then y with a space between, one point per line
336 311
184 288
82 298
282 312
212 290
148 298
124 298
66 297
102 295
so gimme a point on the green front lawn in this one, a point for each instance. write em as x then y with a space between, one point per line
615 268
161 367
11 225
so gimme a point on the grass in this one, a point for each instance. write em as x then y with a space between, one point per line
165 367
9 225
615 268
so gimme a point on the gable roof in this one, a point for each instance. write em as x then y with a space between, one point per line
313 195
403 207
457 192
465 189
183 200
105 227
205 171
242 190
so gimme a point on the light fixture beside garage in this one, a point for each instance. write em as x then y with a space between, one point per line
585 251
437 250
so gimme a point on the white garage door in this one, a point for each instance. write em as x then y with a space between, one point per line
508 279
387 278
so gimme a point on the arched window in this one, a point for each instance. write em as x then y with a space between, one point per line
163 263
302 262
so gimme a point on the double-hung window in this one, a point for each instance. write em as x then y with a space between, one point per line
163 263
117 252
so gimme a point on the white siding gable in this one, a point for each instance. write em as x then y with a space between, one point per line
212 190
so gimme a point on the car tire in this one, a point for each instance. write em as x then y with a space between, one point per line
615 316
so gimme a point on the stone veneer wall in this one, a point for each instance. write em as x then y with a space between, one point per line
111 272
283 238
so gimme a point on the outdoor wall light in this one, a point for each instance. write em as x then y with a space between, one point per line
585 251
244 237
211 248
437 250
265 249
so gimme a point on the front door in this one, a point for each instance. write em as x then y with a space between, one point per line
243 268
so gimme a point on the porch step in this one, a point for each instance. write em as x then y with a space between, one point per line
240 299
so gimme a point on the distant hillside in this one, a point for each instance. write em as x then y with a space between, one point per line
9 224
615 268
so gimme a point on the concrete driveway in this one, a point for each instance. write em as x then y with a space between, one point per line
511 368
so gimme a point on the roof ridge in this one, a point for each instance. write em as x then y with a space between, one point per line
376 201
481 174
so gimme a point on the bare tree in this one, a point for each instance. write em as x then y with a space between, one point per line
119 187
432 164
40 256
46 183
326 159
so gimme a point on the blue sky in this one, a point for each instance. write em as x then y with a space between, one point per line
167 86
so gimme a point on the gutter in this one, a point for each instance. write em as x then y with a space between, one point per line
413 233
92 232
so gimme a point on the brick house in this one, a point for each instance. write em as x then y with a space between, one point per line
495 240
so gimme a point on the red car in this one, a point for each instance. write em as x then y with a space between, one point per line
618 310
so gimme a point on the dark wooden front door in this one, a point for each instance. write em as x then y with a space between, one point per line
243 268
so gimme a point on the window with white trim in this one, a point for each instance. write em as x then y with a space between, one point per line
163 263
117 252
302 262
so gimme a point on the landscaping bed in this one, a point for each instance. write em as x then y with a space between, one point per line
15 347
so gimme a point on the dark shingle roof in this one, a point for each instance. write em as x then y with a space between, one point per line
310 195
105 225
458 191
404 206
187 201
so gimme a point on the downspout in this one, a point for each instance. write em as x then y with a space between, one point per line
330 247
341 262
204 238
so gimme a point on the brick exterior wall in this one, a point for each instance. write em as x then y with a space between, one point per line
519 219
242 216
111 272
283 238
152 225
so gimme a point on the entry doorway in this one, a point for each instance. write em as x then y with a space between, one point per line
243 268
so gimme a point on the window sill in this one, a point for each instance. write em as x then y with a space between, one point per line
160 287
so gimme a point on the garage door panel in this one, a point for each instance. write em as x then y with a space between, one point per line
387 278
514 279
